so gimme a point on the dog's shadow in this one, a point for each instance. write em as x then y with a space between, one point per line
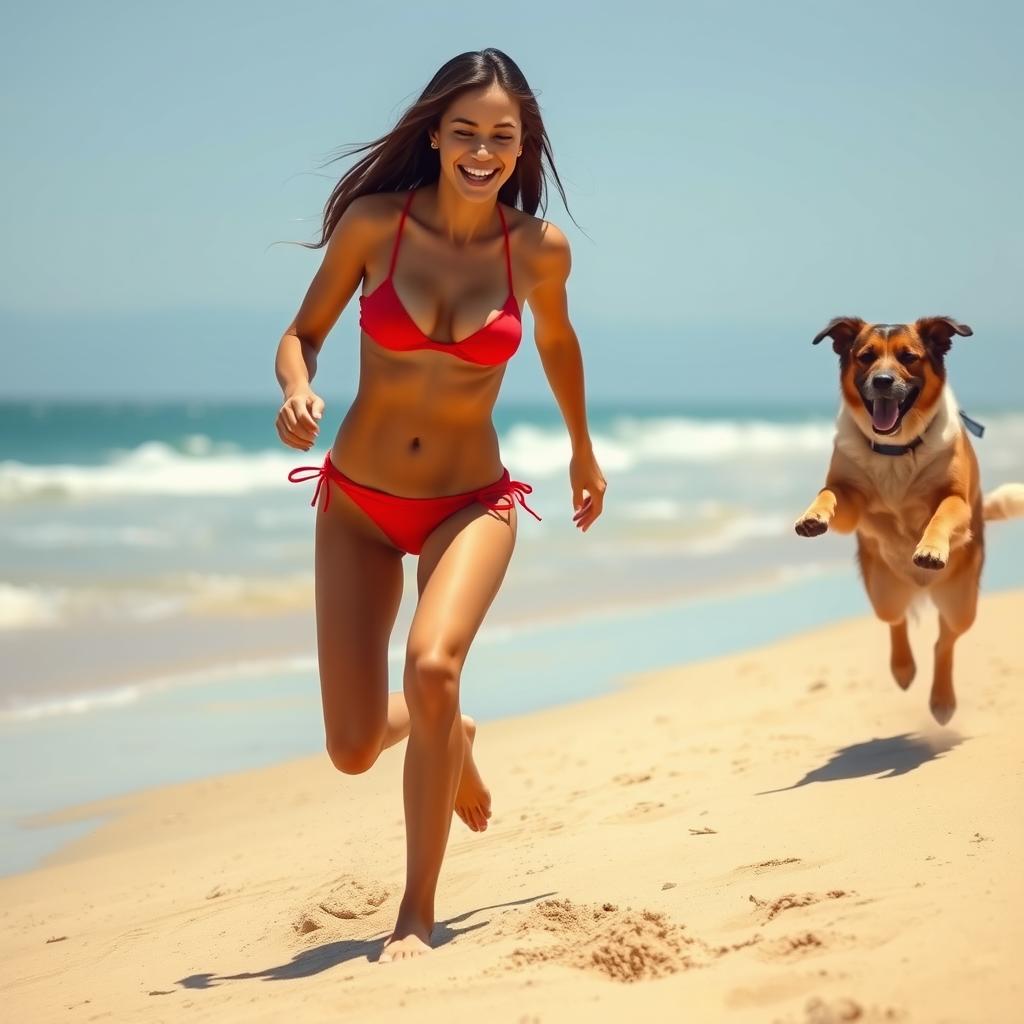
330 954
883 758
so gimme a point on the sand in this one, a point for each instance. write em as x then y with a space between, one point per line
777 836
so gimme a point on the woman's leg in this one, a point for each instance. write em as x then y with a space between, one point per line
358 591
460 570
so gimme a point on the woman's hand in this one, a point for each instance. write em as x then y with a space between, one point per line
586 477
297 419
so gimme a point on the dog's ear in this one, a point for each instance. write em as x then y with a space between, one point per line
937 332
843 331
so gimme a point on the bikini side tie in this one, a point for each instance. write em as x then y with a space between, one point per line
320 472
502 497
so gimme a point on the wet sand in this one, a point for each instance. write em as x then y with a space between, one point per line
780 835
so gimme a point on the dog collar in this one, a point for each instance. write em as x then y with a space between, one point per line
901 449
894 449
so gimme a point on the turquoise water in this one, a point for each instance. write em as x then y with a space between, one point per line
221 725
141 536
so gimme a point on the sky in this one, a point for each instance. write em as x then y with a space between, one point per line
740 173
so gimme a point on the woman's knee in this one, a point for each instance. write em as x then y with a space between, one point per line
432 687
353 755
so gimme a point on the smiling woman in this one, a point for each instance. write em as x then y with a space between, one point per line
435 225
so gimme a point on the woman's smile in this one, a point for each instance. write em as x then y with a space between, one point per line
477 176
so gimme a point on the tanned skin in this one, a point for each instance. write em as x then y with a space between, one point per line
420 426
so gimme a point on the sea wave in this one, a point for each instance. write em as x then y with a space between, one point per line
632 441
18 708
22 707
29 607
198 466
190 593
153 468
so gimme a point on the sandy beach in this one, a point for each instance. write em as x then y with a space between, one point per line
781 835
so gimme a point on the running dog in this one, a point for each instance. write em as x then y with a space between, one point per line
904 476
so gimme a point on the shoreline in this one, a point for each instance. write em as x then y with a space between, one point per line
289 637
273 713
277 717
761 836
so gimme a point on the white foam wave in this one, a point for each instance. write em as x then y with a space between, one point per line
154 468
29 607
200 467
38 607
631 442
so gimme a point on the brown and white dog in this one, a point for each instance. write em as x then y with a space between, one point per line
904 476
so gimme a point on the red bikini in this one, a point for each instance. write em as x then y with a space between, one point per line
383 317
408 522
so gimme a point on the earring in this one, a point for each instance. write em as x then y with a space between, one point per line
433 145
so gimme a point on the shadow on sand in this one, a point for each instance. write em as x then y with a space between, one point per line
322 958
883 758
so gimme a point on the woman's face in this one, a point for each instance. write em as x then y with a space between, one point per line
479 139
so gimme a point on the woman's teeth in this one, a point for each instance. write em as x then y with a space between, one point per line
477 176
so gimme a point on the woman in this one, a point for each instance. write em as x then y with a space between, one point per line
428 222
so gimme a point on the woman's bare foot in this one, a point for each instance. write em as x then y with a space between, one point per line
410 938
473 798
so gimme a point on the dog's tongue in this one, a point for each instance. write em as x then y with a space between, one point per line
883 414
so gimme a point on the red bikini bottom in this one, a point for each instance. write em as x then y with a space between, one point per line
408 522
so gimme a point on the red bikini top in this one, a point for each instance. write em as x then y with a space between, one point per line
383 317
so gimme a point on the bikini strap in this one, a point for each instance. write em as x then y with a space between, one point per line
398 236
508 251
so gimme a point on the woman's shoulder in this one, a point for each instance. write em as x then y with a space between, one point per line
372 215
540 243
538 240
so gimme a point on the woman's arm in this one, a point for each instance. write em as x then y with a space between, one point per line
330 291
562 360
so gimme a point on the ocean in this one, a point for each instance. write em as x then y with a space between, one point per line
156 578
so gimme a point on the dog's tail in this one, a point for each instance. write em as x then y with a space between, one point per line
1006 502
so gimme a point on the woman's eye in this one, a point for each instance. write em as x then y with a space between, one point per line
866 358
469 135
906 358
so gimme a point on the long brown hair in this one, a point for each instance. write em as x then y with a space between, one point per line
403 159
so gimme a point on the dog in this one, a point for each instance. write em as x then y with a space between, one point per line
904 476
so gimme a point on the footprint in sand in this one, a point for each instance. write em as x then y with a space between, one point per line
347 900
770 909
631 778
350 898
623 945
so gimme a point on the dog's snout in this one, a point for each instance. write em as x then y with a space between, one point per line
883 382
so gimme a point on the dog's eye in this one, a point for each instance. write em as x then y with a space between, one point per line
908 358
866 358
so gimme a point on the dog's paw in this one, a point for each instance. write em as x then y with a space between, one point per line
927 556
942 709
813 524
903 672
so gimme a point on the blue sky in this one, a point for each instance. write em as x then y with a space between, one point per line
743 172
